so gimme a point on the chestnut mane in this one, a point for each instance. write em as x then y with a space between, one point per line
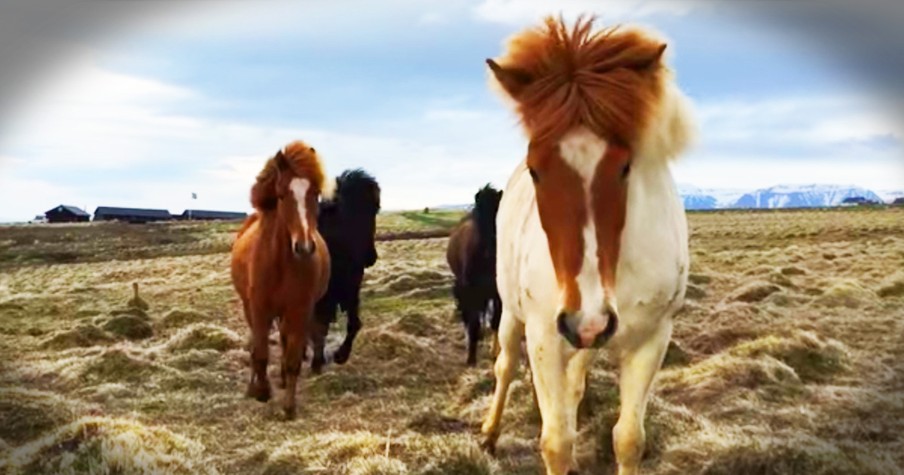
301 160
610 81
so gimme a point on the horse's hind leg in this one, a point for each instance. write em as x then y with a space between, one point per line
494 322
472 319
510 333
259 386
354 325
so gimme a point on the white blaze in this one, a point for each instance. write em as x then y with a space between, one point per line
299 187
582 150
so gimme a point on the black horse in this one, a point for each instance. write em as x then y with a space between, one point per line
472 257
348 225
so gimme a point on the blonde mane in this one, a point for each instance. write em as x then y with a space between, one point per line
302 161
611 81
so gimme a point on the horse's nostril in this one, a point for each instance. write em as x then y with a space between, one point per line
567 326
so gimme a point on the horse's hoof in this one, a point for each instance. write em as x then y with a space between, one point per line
259 392
341 357
472 362
489 445
290 413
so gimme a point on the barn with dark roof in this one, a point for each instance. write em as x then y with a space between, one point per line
66 214
131 215
207 215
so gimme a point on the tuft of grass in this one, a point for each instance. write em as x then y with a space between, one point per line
694 292
26 413
783 454
846 293
117 365
106 445
352 453
703 385
204 336
753 292
814 359
81 336
893 286
133 311
129 326
182 317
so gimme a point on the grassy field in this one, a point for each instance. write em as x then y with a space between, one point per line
788 358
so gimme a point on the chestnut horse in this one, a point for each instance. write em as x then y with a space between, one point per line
280 264
592 234
471 255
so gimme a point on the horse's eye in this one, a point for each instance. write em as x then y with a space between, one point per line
626 170
533 175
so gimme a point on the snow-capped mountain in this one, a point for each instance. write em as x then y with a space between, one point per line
707 198
780 196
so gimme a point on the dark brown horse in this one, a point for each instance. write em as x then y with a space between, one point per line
280 264
472 257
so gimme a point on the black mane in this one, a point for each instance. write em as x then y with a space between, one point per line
358 189
486 204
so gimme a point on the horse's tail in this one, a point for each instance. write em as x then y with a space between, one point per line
247 224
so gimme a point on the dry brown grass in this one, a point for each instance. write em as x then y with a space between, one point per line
787 359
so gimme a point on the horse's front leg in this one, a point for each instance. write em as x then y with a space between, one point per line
259 385
559 377
354 325
293 330
320 326
638 366
506 367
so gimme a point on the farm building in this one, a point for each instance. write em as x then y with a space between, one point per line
66 214
208 215
131 215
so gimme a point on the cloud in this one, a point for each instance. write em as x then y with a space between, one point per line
815 122
522 12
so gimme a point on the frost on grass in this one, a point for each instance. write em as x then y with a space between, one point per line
106 445
204 336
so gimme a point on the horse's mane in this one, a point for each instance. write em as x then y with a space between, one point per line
610 81
302 160
486 204
359 189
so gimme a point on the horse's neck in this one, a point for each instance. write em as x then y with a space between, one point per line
275 233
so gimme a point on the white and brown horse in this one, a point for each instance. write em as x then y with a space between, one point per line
592 236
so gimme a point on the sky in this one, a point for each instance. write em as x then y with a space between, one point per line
142 103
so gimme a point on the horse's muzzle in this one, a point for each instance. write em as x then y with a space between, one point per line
586 334
303 248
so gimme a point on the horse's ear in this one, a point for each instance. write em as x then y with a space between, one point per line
648 57
513 80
